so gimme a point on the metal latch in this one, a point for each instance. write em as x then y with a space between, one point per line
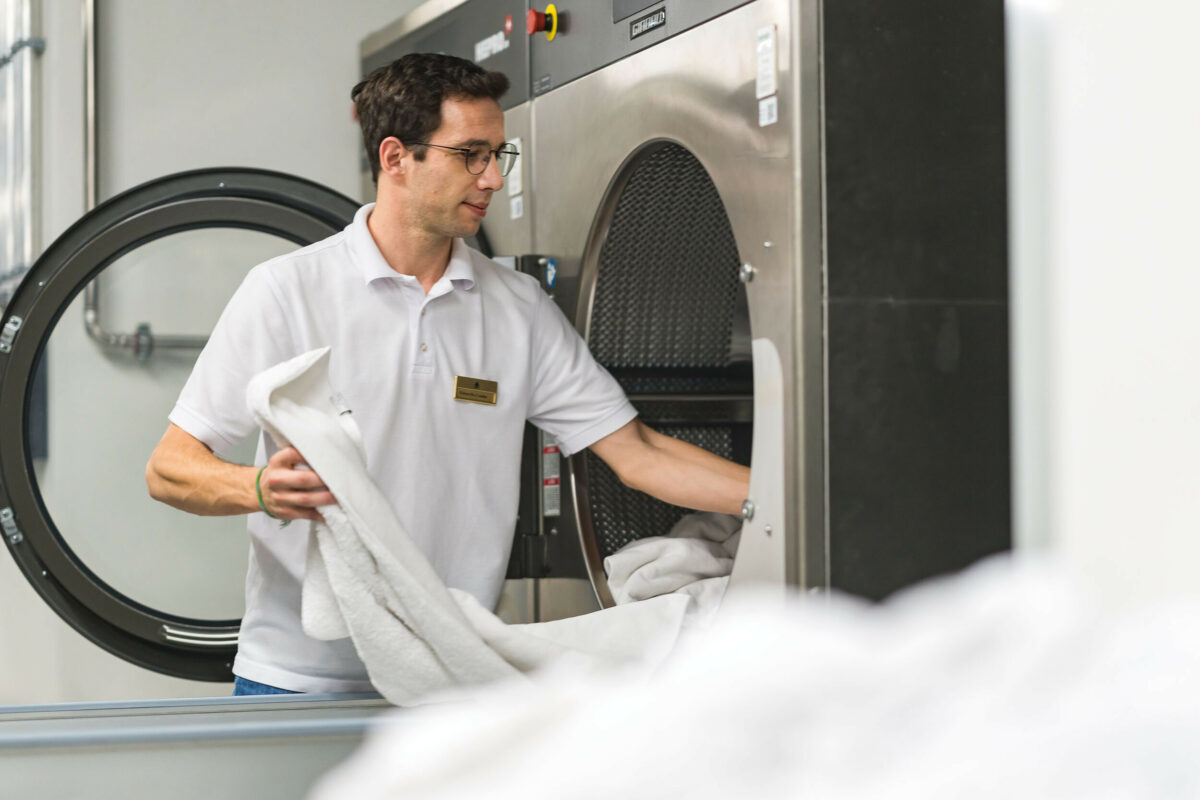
9 523
9 333
747 509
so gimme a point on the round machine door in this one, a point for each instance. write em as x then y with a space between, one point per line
662 308
95 345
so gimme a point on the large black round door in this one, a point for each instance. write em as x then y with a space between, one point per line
81 364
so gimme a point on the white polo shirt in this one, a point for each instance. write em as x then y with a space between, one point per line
450 468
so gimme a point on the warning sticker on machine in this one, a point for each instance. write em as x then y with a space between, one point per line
551 480
768 111
765 80
551 498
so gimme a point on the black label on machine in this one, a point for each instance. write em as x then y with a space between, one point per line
648 22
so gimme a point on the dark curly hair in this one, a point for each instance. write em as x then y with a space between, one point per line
404 98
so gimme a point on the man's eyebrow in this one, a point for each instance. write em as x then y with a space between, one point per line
473 142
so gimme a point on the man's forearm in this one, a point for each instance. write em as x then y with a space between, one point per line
674 471
700 457
185 474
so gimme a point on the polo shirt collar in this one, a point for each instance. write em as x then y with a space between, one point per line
460 272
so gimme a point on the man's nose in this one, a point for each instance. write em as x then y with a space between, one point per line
491 178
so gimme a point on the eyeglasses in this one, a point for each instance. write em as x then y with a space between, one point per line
479 156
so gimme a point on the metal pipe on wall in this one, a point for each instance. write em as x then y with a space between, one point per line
142 342
19 75
90 168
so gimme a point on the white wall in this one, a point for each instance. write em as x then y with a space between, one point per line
1104 122
182 85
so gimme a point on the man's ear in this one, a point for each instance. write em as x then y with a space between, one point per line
394 157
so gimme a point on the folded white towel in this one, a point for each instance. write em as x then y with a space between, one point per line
659 565
367 579
694 559
725 529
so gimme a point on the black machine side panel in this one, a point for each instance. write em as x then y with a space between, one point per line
475 31
917 289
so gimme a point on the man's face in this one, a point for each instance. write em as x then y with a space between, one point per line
445 198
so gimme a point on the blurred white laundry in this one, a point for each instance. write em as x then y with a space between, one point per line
1003 682
365 578
694 559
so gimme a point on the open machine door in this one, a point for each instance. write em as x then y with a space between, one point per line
72 513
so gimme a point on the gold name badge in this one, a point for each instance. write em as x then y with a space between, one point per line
475 390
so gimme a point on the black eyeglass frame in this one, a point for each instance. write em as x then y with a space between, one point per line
507 149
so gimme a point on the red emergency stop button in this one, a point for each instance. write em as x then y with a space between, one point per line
534 21
542 21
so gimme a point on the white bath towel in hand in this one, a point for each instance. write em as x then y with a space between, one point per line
367 579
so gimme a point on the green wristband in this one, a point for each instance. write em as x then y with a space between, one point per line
258 489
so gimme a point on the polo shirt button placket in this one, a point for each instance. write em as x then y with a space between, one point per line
422 362
425 358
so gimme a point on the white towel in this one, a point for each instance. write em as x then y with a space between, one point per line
694 559
1004 681
367 579
724 529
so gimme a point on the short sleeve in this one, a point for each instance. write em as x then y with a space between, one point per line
573 398
251 335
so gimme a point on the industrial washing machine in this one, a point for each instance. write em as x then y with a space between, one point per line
779 223
781 226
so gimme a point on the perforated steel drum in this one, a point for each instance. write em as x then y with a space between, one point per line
666 314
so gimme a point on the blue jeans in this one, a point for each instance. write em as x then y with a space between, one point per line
243 688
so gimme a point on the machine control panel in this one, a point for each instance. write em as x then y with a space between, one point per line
583 35
487 32
627 8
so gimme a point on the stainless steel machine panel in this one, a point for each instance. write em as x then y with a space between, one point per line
693 96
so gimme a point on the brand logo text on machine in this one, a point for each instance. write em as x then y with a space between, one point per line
486 48
647 23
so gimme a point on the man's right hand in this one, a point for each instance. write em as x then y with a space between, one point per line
184 473
290 490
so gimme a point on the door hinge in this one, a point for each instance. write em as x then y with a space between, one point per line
9 523
9 333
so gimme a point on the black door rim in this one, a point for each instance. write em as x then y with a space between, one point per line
282 205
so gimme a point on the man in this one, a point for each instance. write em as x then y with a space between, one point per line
406 307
